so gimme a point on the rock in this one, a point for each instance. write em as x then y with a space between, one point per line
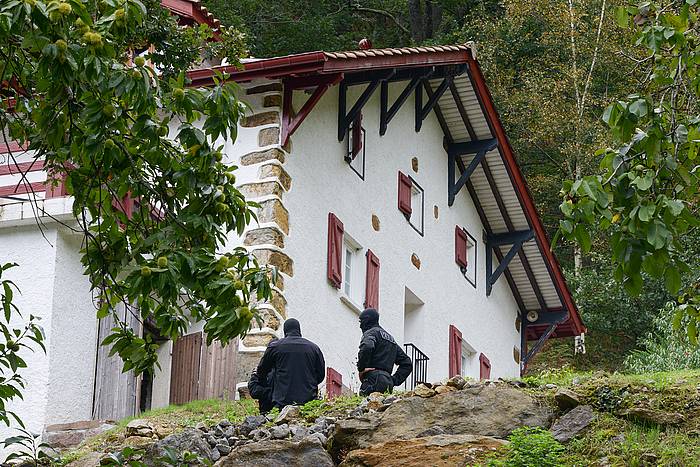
289 413
481 410
456 382
573 423
374 401
224 449
190 439
279 453
318 436
649 458
432 431
444 389
251 423
224 424
567 399
259 434
658 417
140 427
298 432
550 386
232 440
389 400
91 459
423 390
280 431
201 426
434 451
215 455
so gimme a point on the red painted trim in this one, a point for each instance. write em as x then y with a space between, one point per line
334 383
455 352
524 194
22 188
21 168
194 11
319 63
484 367
290 119
12 146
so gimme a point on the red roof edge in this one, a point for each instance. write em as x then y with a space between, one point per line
525 197
193 10
265 68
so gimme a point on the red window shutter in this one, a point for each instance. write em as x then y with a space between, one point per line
10 146
335 250
455 362
356 136
372 281
334 383
125 205
460 247
485 367
56 184
405 185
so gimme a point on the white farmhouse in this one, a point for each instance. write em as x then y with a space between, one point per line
385 180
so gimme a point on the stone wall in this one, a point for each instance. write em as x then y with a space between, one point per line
266 239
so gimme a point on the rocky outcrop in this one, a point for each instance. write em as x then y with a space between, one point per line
567 399
655 416
574 423
434 451
190 439
486 410
279 453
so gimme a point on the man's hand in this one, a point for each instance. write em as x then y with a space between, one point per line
364 372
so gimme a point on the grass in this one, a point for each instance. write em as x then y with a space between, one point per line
167 420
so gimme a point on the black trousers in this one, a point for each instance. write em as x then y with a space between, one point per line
376 381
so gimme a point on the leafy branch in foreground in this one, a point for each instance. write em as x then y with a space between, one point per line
645 197
16 339
141 153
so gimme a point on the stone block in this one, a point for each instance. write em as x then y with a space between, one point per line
262 156
280 260
258 340
260 189
274 170
272 100
264 236
262 118
274 211
268 136
264 88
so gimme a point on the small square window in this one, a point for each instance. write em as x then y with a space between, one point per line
416 219
353 271
468 359
355 156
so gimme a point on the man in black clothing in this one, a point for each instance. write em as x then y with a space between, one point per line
378 354
298 365
261 390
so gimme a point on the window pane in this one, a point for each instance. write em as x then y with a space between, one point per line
348 270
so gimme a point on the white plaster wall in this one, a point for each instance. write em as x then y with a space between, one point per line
73 337
36 256
322 182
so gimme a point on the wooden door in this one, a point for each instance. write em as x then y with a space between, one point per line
184 372
217 376
115 392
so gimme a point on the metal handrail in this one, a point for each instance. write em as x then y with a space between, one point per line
420 367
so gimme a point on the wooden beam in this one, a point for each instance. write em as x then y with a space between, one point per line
473 147
345 120
438 113
291 119
423 111
516 239
388 113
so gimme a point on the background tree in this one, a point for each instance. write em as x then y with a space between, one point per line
140 154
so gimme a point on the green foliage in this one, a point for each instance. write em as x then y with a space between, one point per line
530 447
665 348
17 338
339 405
27 450
104 125
133 457
644 195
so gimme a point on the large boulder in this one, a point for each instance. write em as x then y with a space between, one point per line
279 453
190 439
434 451
574 423
487 410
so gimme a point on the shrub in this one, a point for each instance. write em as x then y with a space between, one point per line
530 447
663 348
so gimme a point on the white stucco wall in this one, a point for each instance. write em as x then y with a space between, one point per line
73 337
322 182
36 256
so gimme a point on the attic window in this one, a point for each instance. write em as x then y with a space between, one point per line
412 202
355 156
465 254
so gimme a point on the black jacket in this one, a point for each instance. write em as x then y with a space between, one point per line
379 350
261 390
299 368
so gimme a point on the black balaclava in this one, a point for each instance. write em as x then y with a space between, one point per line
292 328
369 319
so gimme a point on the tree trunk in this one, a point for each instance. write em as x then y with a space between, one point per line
416 20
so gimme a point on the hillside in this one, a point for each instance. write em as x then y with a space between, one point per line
598 418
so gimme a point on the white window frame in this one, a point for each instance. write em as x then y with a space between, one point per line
417 217
468 357
352 289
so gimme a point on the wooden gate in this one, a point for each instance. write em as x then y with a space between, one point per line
217 378
115 393
184 372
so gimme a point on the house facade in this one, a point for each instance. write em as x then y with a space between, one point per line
385 180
